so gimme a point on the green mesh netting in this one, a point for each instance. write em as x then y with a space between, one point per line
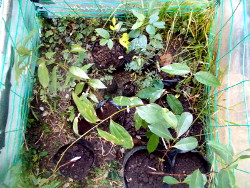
229 43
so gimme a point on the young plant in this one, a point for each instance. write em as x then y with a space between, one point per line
106 38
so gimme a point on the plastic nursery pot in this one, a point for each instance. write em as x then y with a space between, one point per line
104 58
138 164
77 160
186 162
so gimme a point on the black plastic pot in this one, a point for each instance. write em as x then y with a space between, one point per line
143 178
77 160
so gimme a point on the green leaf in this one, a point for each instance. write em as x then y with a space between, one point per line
153 18
174 104
43 153
152 143
150 93
79 88
176 69
103 42
109 137
226 179
170 180
103 33
138 43
137 24
110 44
151 6
139 122
127 101
43 75
77 48
134 33
207 78
22 50
150 29
197 180
170 118
223 151
122 134
138 15
160 25
75 126
151 113
85 108
53 85
49 55
86 67
186 144
96 84
93 98
78 72
161 130
184 123
48 33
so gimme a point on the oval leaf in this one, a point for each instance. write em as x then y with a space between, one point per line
43 75
85 108
103 33
184 123
137 24
122 134
161 130
77 48
78 72
176 69
109 137
152 143
75 126
186 144
139 122
96 84
150 93
150 29
197 180
174 104
207 79
160 25
170 180
138 15
170 118
127 101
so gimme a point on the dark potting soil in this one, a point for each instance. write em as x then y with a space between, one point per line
187 163
104 57
136 167
83 126
79 169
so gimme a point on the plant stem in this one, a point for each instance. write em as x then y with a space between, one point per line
159 173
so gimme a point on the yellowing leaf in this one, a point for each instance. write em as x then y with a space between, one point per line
113 21
124 41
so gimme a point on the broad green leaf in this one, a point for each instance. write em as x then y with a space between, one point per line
151 113
139 122
43 75
78 72
160 25
153 18
225 178
77 48
22 50
122 134
134 33
152 6
138 15
184 123
103 33
127 101
170 180
96 84
109 137
170 118
139 43
93 97
49 55
75 126
86 67
223 151
110 44
150 93
48 33
174 104
150 29
79 88
53 85
161 130
186 144
85 108
207 79
176 69
103 42
137 24
152 143
197 180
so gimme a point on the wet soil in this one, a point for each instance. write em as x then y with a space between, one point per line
137 166
77 169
